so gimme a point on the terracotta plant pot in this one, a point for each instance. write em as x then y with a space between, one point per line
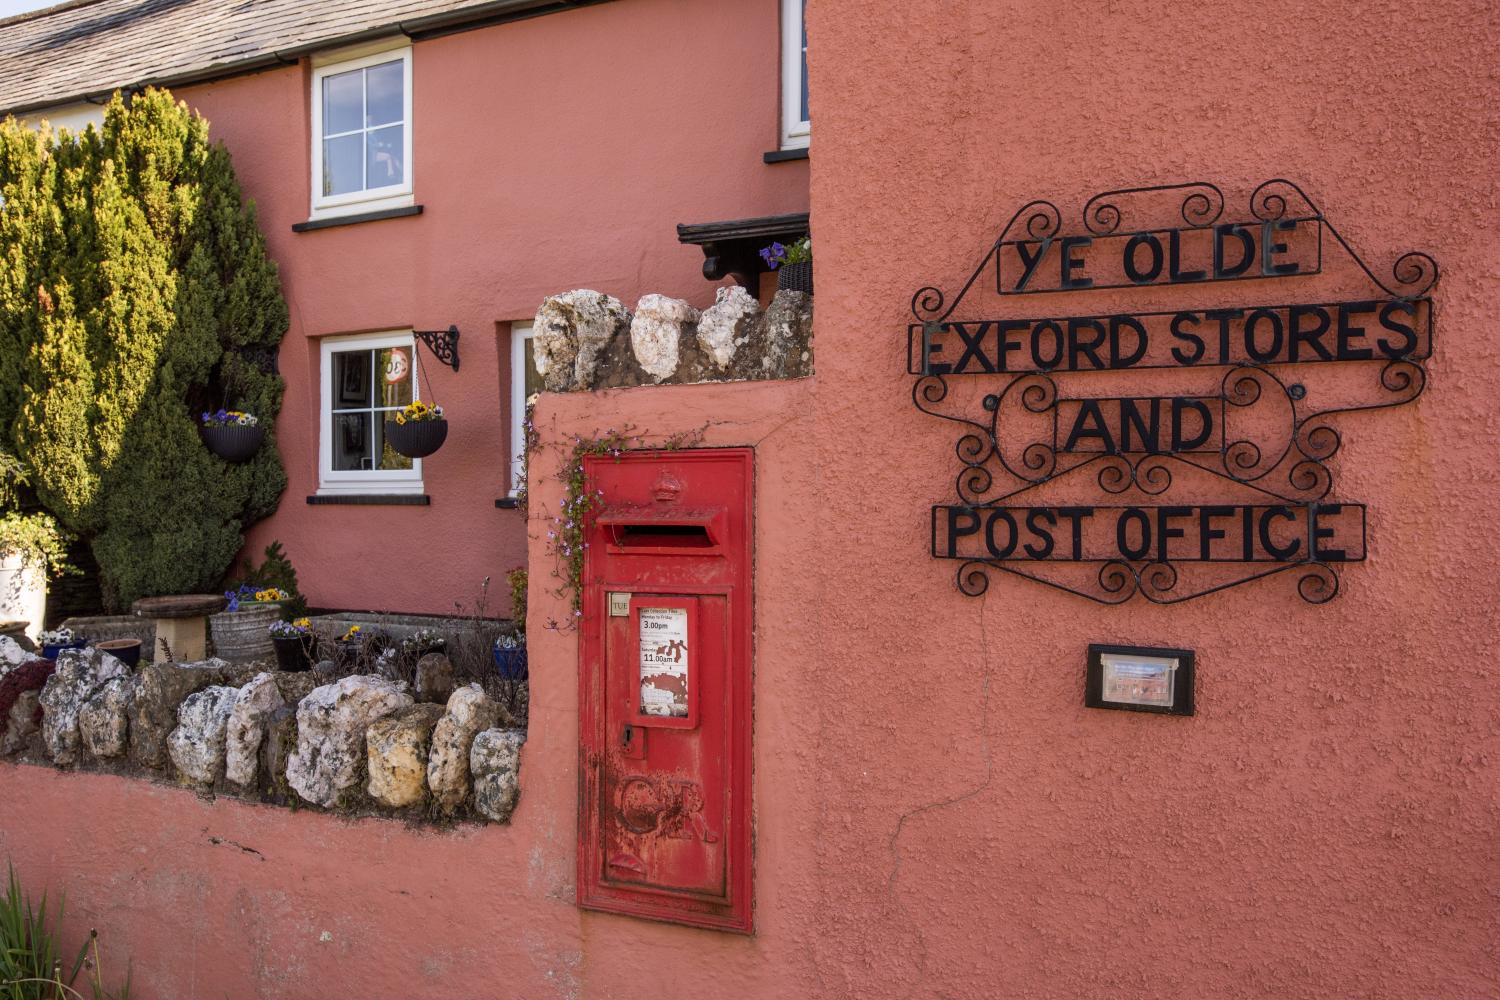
795 277
127 651
416 438
234 443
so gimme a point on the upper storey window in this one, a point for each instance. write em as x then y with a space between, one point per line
796 124
361 119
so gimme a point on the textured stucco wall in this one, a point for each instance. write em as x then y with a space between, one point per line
936 813
553 153
223 898
1325 825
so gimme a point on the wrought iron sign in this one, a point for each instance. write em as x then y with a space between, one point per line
1083 431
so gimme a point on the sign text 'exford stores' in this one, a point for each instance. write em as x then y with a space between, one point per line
1262 433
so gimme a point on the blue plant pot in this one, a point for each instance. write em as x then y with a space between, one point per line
50 650
511 664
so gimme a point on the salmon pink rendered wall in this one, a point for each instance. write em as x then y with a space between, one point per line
936 813
549 154
1324 826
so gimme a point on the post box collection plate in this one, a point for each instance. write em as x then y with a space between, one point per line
665 689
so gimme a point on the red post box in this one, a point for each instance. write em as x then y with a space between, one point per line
664 689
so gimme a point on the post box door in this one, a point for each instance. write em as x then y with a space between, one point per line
664 688
663 795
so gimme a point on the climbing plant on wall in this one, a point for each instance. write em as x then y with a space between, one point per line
136 292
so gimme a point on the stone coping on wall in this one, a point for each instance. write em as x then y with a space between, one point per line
361 745
585 340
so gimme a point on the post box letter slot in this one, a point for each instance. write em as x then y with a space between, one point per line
667 654
685 536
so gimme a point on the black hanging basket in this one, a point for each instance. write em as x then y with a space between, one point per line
235 443
795 277
416 438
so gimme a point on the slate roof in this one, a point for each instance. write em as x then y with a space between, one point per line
89 48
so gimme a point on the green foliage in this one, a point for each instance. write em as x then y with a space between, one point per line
516 580
132 278
31 962
275 570
34 537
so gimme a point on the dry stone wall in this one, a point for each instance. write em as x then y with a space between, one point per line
361 744
586 340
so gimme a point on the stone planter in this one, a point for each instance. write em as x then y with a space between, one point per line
416 438
244 634
234 443
23 592
795 277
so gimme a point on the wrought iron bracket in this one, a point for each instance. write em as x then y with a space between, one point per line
442 343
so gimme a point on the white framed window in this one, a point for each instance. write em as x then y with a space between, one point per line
525 382
366 379
796 125
361 134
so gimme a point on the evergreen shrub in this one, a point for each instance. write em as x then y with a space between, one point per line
136 292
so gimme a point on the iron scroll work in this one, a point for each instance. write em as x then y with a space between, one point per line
1255 430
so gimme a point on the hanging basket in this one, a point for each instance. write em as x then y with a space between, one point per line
416 438
235 443
795 277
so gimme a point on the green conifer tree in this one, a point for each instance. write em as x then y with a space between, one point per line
137 289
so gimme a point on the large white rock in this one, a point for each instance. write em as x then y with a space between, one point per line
255 703
331 724
397 750
12 654
788 333
728 324
656 332
495 762
160 689
196 746
470 711
102 721
79 674
569 333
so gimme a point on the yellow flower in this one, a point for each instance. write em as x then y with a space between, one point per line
400 419
302 623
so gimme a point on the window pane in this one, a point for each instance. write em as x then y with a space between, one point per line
341 103
383 103
388 457
384 149
394 366
805 116
351 442
351 380
533 379
341 164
